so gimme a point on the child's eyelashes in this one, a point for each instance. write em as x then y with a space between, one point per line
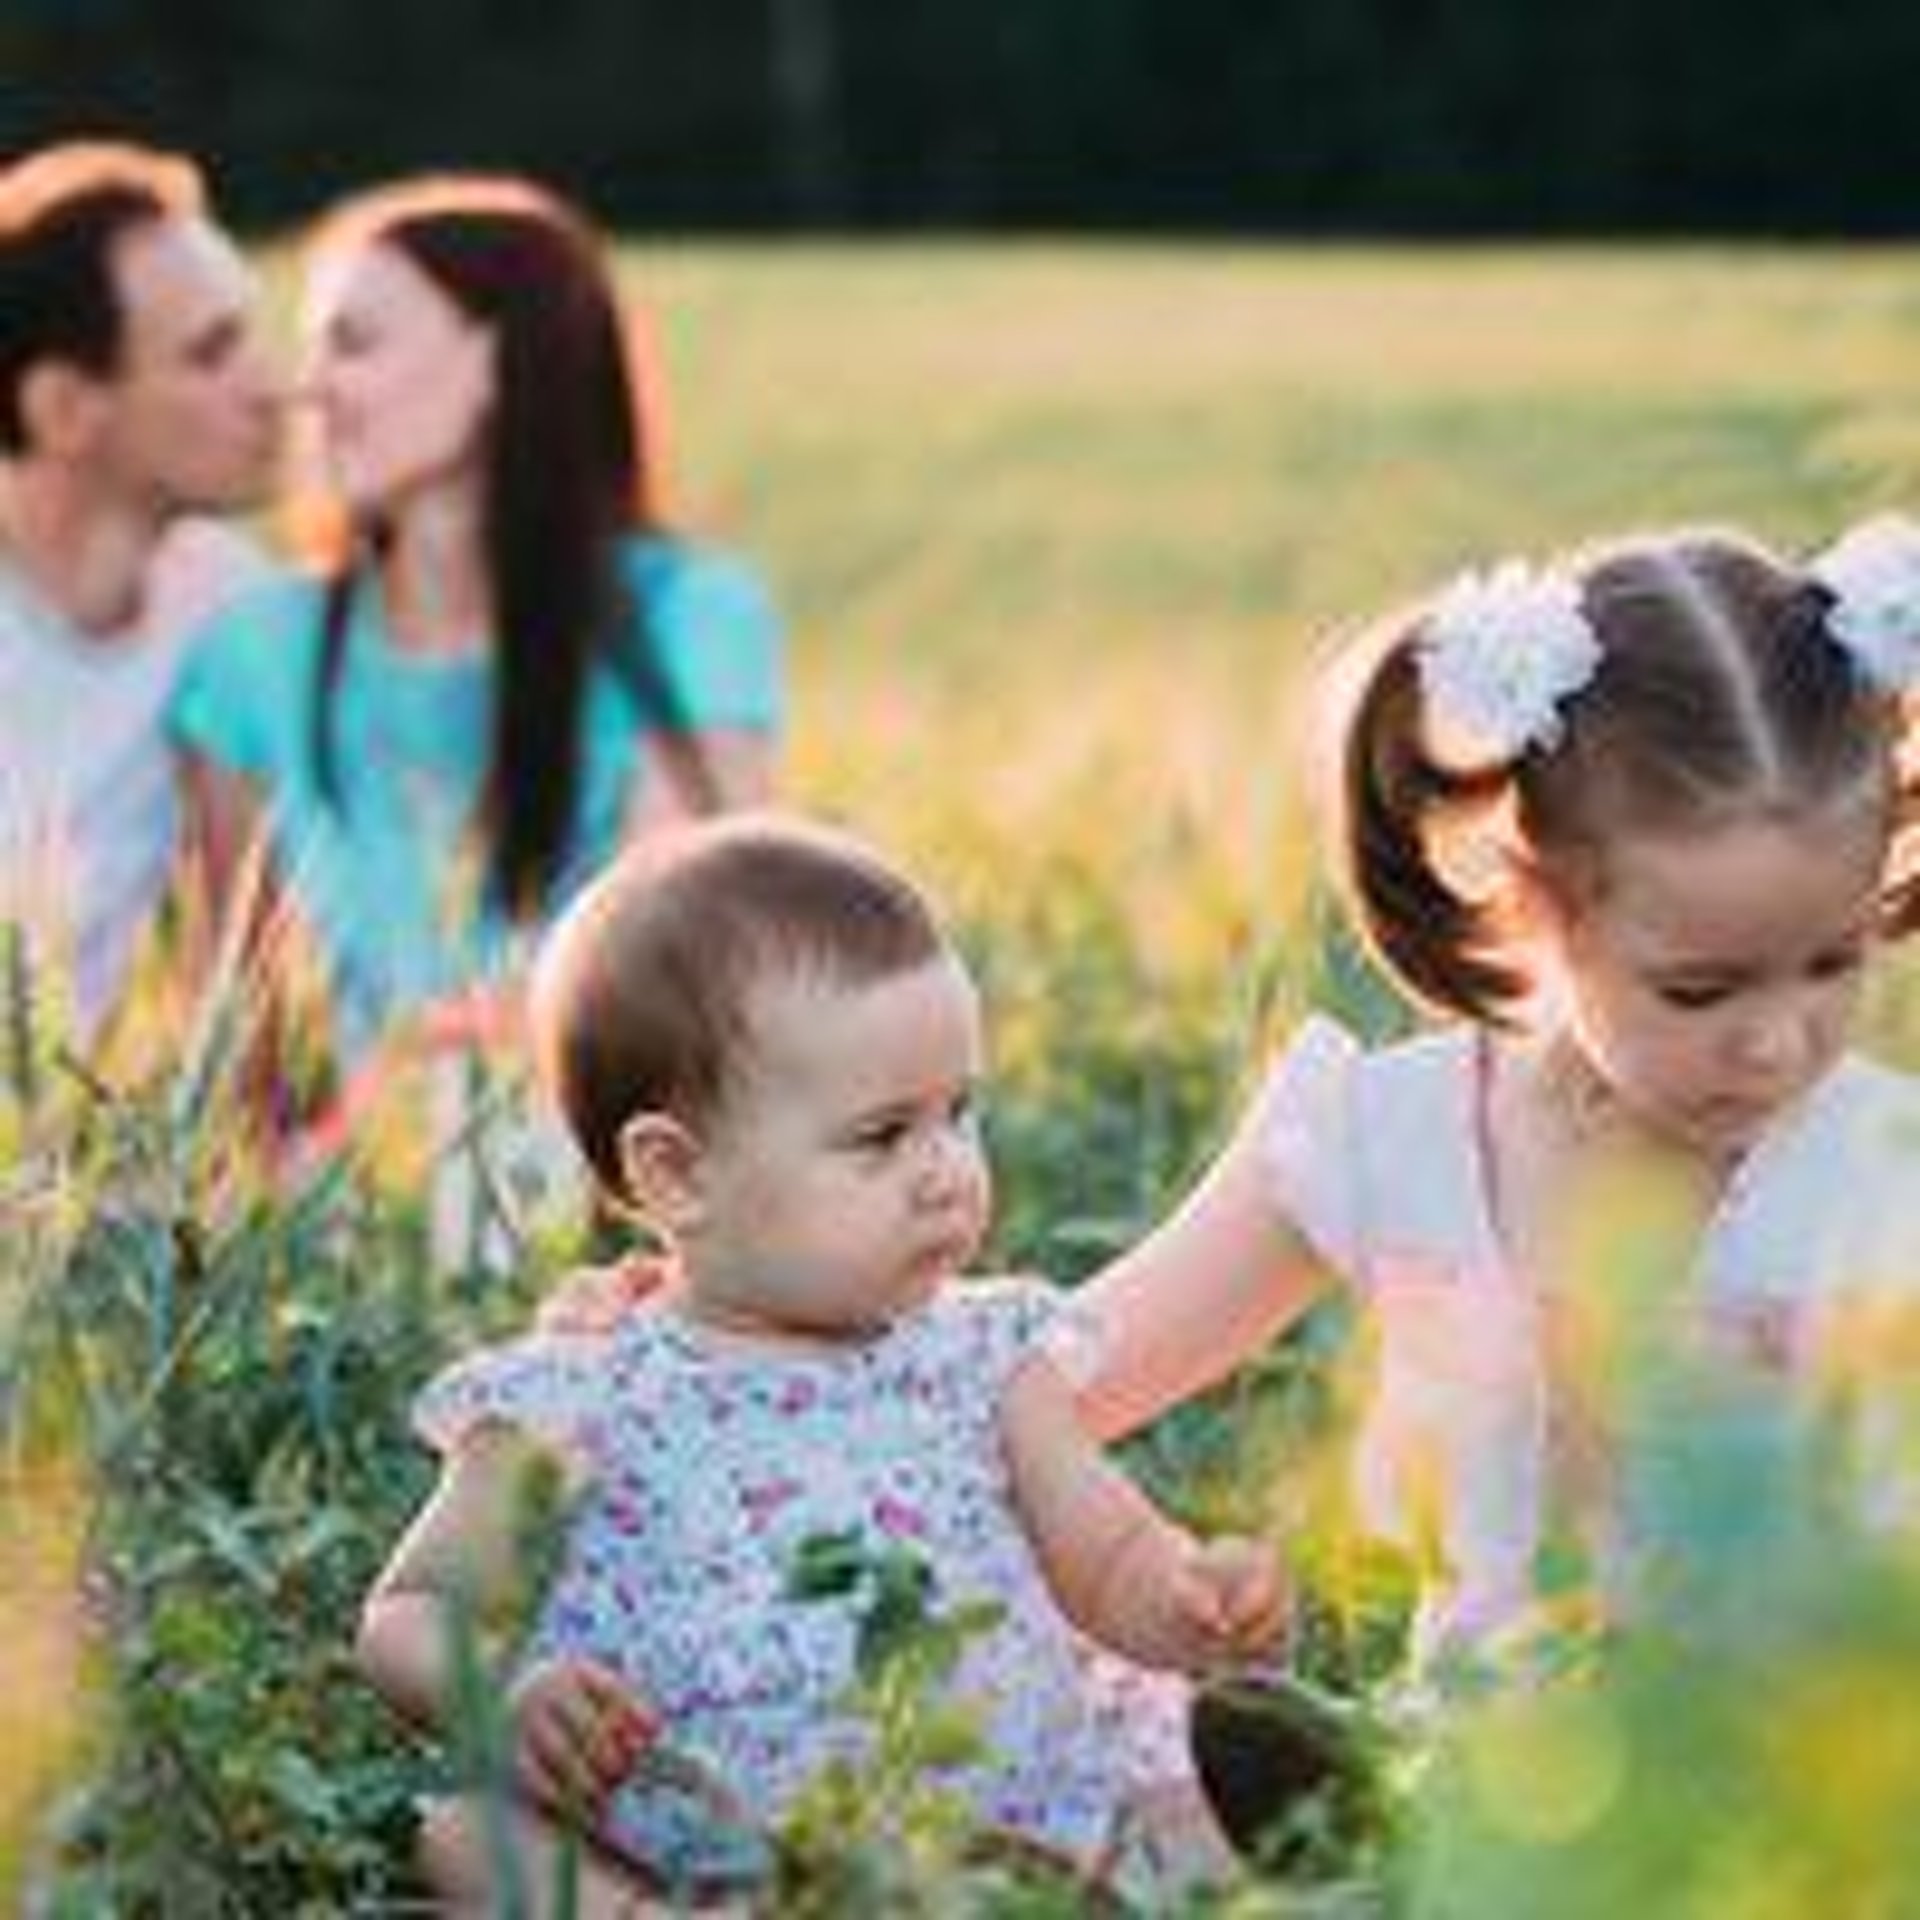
1693 995
880 1137
890 1132
1839 962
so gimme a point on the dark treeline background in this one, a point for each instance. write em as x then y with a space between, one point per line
1306 116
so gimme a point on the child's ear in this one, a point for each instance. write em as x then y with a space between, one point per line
660 1160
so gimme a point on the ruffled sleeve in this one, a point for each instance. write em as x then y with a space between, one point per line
1885 1249
552 1387
1308 1139
1009 1320
1790 1231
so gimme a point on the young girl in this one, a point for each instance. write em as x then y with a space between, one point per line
767 1051
1633 824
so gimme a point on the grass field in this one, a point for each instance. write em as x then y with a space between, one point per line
1062 532
1059 517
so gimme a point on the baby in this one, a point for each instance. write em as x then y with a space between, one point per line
770 1054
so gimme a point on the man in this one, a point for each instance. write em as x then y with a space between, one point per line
135 396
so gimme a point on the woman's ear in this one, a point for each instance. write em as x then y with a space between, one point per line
660 1164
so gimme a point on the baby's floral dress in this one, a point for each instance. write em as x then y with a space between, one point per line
701 1468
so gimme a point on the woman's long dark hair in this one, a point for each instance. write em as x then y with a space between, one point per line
566 475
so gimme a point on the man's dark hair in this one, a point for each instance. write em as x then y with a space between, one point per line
62 212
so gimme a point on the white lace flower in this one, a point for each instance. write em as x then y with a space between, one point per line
1499 653
1873 573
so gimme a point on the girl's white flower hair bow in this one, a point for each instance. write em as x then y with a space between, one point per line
1873 574
1501 651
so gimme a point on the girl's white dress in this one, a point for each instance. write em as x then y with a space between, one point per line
702 1470
1379 1158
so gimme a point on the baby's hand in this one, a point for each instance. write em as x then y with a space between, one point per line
577 1732
1228 1601
597 1299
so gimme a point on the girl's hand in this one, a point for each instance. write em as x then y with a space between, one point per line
1227 1601
597 1299
577 1732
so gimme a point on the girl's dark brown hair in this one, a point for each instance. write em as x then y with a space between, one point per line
1720 691
567 474
643 997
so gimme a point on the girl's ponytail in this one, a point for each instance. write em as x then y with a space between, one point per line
1440 946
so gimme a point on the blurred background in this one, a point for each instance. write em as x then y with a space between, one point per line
1063 489
1769 117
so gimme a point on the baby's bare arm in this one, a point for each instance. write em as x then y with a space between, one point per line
1121 1570
576 1727
461 1555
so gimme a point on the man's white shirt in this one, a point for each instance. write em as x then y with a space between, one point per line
88 795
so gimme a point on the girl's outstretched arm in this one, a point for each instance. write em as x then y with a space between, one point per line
1204 1292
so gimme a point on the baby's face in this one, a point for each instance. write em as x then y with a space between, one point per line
843 1180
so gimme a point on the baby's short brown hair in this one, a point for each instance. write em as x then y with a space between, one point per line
642 998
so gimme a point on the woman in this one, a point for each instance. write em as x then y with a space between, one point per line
509 664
